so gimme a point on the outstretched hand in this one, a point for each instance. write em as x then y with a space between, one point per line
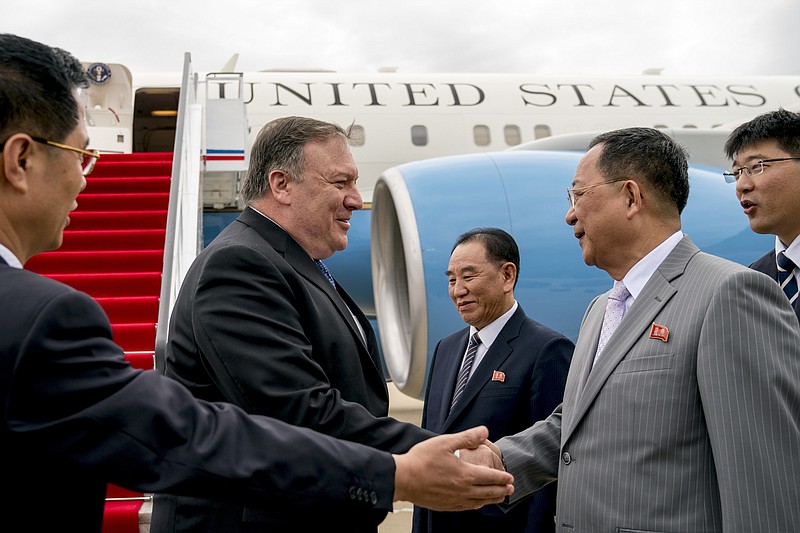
431 476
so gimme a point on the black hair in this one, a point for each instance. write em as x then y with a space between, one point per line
500 245
783 126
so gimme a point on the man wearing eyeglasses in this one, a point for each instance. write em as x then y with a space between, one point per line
766 169
75 416
680 410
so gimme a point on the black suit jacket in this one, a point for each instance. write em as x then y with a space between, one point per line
534 361
257 324
769 266
76 416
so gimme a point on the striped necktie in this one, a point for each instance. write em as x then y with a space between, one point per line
325 271
466 367
786 277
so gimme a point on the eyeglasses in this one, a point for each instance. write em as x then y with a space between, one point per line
88 157
573 193
753 169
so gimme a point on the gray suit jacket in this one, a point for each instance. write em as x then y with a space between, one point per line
699 433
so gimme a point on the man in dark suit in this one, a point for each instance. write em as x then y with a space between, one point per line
766 168
76 416
680 409
259 321
514 378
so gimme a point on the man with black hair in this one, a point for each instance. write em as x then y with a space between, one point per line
76 416
766 169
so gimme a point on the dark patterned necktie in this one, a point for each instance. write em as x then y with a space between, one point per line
786 277
325 271
463 375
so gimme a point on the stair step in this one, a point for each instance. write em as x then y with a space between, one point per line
87 220
117 239
136 156
123 202
100 285
135 337
100 185
130 309
92 263
119 169
141 360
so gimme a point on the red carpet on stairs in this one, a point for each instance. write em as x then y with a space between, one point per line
114 250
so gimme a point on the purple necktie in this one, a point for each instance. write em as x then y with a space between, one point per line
615 310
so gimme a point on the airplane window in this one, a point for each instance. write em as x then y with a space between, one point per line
689 126
541 130
419 135
356 135
481 135
660 126
512 135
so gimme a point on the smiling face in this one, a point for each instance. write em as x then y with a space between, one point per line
770 200
482 290
321 205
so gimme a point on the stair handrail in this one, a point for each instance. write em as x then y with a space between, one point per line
184 222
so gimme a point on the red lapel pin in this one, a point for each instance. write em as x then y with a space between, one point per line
659 332
498 376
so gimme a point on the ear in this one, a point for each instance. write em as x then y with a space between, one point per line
509 271
16 161
634 199
280 186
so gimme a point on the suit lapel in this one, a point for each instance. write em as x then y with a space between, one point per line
294 254
494 358
637 321
448 364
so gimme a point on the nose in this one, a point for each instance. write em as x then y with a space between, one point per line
353 200
83 183
458 289
744 184
570 217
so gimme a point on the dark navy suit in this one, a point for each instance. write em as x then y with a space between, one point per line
534 361
768 266
76 416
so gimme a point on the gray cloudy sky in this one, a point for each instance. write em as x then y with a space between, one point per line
723 37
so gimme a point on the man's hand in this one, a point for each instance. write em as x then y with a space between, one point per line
431 476
487 454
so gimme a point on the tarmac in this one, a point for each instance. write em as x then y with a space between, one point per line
407 409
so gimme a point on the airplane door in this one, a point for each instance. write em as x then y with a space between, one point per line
155 117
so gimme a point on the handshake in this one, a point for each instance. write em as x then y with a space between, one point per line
453 472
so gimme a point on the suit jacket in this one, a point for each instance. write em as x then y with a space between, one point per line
698 433
76 416
535 361
768 266
257 324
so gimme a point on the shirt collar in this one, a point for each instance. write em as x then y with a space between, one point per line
490 332
792 251
638 276
9 257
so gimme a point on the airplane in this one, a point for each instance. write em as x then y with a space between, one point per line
439 154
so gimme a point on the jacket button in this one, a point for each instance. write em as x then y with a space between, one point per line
352 493
566 457
373 497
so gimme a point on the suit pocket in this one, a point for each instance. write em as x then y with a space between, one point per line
645 364
499 392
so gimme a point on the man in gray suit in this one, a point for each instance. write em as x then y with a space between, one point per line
766 169
687 418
